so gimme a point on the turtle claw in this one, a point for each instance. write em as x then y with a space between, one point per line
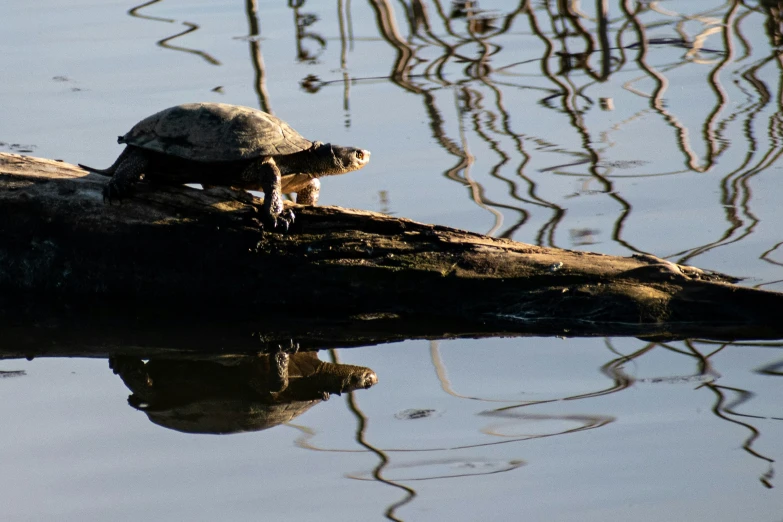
285 219
281 222
281 226
290 349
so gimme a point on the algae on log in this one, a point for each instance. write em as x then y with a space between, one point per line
339 277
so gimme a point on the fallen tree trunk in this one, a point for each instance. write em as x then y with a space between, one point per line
175 257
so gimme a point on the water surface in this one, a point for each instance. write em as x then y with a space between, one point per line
650 127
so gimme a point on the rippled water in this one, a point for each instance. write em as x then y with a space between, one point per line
654 128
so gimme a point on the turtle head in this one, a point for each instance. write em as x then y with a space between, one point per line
341 378
355 378
334 159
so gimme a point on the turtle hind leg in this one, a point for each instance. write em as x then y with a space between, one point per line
308 195
127 174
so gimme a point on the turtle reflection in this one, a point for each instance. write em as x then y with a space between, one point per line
231 394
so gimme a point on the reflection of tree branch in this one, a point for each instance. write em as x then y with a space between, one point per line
494 172
383 458
384 17
566 12
583 422
568 95
557 211
475 68
656 100
602 6
344 19
612 369
723 410
165 42
251 9
301 22
473 49
361 428
476 190
766 256
711 136
735 186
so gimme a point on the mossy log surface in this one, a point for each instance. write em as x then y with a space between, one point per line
180 267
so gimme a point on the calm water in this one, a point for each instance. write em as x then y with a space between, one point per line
655 128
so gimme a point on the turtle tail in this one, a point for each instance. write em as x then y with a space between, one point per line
111 170
104 172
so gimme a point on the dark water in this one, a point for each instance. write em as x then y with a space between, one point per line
617 127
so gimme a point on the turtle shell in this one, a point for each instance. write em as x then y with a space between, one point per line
226 416
212 132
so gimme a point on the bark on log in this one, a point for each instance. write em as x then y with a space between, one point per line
186 268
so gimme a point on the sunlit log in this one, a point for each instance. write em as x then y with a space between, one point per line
179 268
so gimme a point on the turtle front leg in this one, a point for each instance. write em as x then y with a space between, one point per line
128 173
264 173
278 371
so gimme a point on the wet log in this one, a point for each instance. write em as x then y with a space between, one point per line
185 267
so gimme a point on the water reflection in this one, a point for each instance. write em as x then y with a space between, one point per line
464 63
514 424
302 22
383 460
235 393
231 394
508 420
256 58
165 42
7 374
515 96
728 410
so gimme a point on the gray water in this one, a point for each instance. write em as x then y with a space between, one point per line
657 132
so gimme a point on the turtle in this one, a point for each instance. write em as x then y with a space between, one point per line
234 393
223 145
